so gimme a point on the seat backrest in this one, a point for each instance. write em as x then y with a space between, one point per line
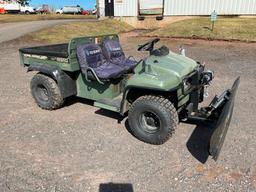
89 55
112 49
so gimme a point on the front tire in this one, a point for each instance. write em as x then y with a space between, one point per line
46 92
153 119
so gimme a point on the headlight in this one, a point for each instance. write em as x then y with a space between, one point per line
207 77
186 85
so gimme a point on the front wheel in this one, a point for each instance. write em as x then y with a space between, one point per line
153 119
46 92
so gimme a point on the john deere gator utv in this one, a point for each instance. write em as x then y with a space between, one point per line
157 92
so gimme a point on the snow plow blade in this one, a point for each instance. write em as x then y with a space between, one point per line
224 106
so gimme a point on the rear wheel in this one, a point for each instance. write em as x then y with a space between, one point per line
46 92
153 119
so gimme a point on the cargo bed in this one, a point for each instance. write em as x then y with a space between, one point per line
57 50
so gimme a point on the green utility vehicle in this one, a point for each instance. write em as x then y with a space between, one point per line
157 92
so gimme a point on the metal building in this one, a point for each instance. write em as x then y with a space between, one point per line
137 8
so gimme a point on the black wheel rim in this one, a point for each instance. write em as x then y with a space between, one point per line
42 93
149 122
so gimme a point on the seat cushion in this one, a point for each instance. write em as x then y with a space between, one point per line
109 71
129 64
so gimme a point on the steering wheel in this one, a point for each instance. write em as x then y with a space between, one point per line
149 46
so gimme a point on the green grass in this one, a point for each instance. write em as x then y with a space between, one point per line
19 18
243 29
65 32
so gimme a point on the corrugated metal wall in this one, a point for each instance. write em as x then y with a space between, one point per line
101 7
126 7
206 7
188 7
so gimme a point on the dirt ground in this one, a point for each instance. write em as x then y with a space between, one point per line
80 148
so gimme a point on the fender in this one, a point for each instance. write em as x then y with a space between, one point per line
124 107
66 84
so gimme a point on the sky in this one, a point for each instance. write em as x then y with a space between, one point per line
86 4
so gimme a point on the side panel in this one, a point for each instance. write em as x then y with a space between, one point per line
43 60
21 55
95 91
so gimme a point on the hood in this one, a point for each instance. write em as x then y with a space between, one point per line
172 64
166 72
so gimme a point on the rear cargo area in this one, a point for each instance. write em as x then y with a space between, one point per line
57 50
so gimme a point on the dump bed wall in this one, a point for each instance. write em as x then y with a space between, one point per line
57 55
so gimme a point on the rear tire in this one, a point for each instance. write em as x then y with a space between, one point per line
46 92
153 119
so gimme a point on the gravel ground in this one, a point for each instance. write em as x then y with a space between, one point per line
80 148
